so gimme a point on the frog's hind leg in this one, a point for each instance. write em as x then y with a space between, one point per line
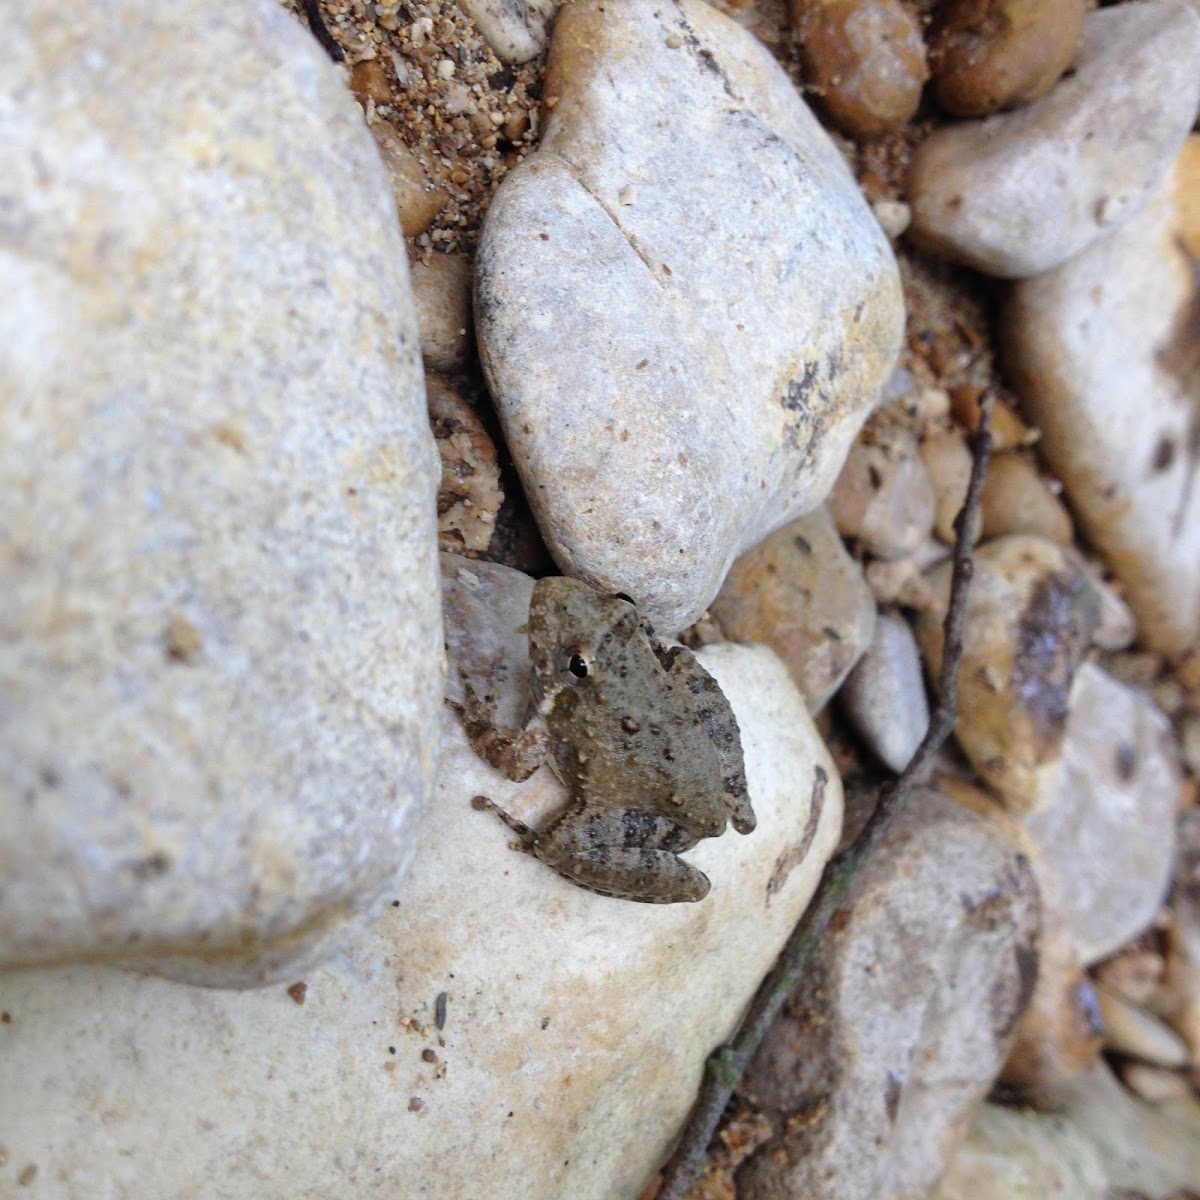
628 855
716 715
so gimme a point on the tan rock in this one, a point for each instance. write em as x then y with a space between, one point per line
674 401
985 57
903 1016
220 638
884 497
1016 499
948 461
1129 1029
1103 354
865 59
1030 613
499 1033
1022 192
442 290
418 198
801 594
1156 1085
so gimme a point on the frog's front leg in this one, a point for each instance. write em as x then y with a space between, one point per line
515 753
715 714
625 854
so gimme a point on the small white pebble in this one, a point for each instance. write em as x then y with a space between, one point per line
894 216
445 69
627 195
674 42
496 118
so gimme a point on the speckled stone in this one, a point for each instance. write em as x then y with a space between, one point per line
569 1019
1021 192
1104 355
1029 620
684 305
1108 835
220 640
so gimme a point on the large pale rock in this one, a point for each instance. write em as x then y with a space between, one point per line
1108 835
800 593
220 639
1008 1154
903 1016
1029 619
1020 193
1105 354
570 1021
683 304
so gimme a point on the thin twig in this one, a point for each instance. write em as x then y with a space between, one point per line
728 1063
321 31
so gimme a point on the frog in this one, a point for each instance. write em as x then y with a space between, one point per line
640 734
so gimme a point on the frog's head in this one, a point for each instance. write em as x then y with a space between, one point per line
574 631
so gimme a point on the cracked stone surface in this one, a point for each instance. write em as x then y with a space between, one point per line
220 637
684 306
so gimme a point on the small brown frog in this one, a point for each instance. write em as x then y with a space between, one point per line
640 734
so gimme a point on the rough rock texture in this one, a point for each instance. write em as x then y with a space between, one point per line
568 1019
1030 615
684 306
1010 1154
1108 835
220 640
802 594
1105 354
1020 193
1001 53
903 1016
884 696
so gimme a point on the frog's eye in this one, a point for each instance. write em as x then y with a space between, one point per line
572 666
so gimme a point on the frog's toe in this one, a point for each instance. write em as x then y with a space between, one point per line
634 873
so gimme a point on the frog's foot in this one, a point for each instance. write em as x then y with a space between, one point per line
486 804
515 753
624 873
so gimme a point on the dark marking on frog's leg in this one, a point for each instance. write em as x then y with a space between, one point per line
716 715
515 753
629 873
628 855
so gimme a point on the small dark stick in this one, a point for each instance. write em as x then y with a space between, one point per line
321 31
728 1063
